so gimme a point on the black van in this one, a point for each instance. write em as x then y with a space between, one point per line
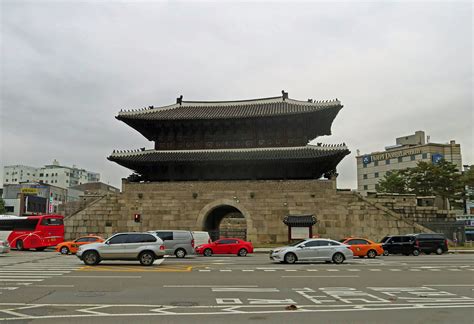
432 243
415 243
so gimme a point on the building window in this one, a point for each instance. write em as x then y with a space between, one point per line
377 187
365 176
6 180
424 155
400 159
413 157
10 209
46 174
41 174
387 161
7 173
376 174
376 163
67 181
366 187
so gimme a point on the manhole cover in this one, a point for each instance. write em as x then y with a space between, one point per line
89 294
184 304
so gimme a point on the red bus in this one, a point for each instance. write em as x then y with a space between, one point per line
32 232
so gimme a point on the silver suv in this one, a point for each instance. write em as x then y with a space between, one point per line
144 247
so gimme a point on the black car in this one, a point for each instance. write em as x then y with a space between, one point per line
400 244
414 244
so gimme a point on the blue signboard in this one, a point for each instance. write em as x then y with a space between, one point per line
435 158
366 159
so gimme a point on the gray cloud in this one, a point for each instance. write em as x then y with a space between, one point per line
68 67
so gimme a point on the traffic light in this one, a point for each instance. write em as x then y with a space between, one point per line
136 218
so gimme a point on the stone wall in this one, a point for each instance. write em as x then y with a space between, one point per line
264 204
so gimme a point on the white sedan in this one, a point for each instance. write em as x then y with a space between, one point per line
313 250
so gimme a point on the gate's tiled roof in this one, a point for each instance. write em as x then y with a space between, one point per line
241 154
274 106
300 220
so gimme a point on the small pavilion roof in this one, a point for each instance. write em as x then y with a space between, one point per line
239 154
300 220
186 110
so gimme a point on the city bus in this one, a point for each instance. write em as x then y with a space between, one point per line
32 232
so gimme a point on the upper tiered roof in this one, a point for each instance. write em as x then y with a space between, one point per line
202 110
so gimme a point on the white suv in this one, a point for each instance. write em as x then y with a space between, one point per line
144 247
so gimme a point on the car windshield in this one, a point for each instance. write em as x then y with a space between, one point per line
342 241
296 243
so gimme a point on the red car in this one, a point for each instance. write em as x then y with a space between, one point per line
226 246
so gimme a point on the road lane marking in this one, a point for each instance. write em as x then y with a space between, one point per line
21 279
320 276
375 270
312 270
240 289
54 286
225 270
204 270
353 269
104 277
269 270
332 270
248 270
449 285
207 286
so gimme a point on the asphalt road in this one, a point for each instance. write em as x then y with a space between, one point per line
44 287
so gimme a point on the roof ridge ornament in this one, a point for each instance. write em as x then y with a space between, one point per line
179 100
284 95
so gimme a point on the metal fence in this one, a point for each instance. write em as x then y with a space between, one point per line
452 230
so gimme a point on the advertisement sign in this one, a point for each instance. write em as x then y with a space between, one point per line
29 191
435 158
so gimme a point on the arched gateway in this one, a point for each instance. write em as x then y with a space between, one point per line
224 218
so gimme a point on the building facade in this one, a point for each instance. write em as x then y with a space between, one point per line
32 198
53 174
407 152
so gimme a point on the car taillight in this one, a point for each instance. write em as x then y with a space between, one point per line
162 247
192 242
446 242
417 244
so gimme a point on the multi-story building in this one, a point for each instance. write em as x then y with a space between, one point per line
33 198
54 174
407 152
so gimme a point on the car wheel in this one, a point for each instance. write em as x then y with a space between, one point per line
146 258
64 250
338 258
439 251
91 258
180 253
207 252
385 252
416 252
371 254
19 245
242 252
290 258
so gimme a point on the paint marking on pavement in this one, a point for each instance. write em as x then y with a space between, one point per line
449 285
54 286
290 270
104 277
353 269
208 286
269 270
395 269
319 276
332 270
21 279
203 270
245 289
248 270
225 270
375 270
415 270
312 270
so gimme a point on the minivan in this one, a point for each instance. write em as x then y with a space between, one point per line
179 243
201 238
432 243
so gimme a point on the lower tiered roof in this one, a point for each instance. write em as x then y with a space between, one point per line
310 161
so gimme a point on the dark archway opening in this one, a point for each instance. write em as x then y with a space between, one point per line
226 221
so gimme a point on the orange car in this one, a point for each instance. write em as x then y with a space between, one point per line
71 246
362 247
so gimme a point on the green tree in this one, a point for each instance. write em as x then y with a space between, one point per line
394 182
2 206
442 179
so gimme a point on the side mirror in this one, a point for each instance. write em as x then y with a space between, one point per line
108 242
301 246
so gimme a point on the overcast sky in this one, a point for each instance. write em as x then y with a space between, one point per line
68 67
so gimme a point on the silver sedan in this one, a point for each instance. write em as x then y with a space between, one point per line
313 250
